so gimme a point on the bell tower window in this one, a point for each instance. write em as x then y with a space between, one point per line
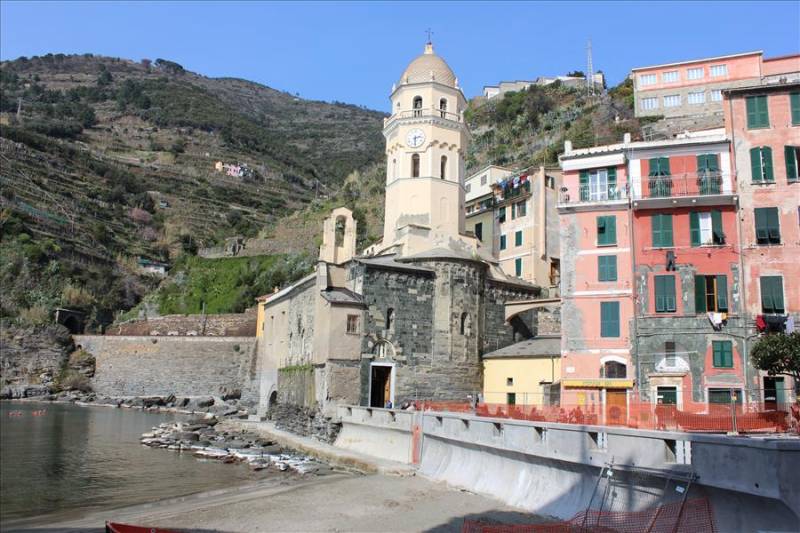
417 106
415 166
443 168
443 107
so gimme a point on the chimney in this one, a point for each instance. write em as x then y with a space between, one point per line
567 147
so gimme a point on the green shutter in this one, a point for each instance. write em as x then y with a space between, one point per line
772 294
716 228
723 354
502 242
795 105
763 111
766 157
712 162
768 229
609 319
752 112
501 214
722 293
757 112
606 230
518 238
662 230
584 186
653 164
694 228
699 294
518 266
755 164
612 268
612 183
607 268
611 229
663 166
665 293
790 155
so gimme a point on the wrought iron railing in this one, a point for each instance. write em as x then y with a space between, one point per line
687 184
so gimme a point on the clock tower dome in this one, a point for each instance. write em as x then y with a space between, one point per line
426 140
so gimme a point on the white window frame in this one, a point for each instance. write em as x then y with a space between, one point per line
717 71
706 228
598 184
651 102
670 76
699 97
696 73
716 95
647 79
669 96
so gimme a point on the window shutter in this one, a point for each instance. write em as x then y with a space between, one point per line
612 182
763 111
609 319
612 268
777 294
663 166
767 302
502 242
722 293
669 293
762 230
611 230
795 105
659 292
752 112
584 186
790 155
755 164
699 294
773 225
715 350
701 163
766 157
666 230
653 164
694 228
716 227
712 162
655 222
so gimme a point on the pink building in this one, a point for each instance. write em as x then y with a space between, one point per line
763 122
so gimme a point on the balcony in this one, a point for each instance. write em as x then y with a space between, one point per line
424 113
709 188
592 195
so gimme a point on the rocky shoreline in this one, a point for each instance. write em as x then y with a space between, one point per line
201 437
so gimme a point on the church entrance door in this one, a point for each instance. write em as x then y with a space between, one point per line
380 385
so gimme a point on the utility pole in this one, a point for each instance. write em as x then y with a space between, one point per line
589 69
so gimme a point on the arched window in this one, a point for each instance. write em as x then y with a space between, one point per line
614 369
415 166
417 106
443 107
443 167
383 350
466 324
340 226
390 319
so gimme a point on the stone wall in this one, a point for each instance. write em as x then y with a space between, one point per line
183 366
224 325
31 359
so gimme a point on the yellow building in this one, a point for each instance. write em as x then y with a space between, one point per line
480 202
525 373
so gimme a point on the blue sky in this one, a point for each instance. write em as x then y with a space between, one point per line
353 52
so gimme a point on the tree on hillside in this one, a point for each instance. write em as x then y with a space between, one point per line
105 77
779 354
576 74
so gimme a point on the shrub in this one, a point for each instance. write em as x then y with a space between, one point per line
72 380
37 315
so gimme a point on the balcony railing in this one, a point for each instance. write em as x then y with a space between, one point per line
592 193
426 113
688 184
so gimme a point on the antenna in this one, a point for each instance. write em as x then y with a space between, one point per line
589 69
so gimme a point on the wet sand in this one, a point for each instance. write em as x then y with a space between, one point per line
336 502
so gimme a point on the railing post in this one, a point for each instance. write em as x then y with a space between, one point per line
733 414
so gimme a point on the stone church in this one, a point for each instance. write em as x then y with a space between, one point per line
410 317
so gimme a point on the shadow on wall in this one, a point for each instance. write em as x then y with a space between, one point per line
492 517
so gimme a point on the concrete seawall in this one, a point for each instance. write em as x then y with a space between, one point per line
752 484
183 366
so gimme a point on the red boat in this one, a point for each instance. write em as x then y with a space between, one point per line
113 527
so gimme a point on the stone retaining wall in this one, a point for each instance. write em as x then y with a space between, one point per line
225 325
183 366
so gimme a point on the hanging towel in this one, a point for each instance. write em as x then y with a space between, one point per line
761 324
789 325
716 320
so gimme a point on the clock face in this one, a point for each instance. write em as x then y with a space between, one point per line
415 138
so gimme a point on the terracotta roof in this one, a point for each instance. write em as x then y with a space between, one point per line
535 347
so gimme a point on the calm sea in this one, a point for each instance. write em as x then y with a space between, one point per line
66 460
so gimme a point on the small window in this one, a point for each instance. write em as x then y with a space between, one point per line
724 396
606 230
466 323
716 95
599 184
615 370
791 155
694 73
502 242
468 187
522 209
669 77
609 319
672 100
501 215
511 398
443 107
647 79
417 106
697 97
772 295
665 293
723 354
443 167
667 395
757 112
390 319
705 228
661 230
415 166
353 324
648 103
711 294
518 267
606 268
483 179
479 231
518 238
510 382
768 229
718 70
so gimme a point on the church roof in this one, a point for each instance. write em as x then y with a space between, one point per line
428 67
342 296
535 347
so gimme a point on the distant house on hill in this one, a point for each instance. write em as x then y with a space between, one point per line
152 267
491 91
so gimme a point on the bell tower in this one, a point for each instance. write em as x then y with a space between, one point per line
426 140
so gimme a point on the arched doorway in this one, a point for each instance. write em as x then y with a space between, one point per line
382 376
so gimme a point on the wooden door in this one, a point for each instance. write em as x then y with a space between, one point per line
616 407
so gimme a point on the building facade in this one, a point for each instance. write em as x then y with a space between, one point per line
653 302
763 122
695 87
480 204
409 318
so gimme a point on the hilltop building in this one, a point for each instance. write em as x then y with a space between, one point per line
492 91
695 88
411 317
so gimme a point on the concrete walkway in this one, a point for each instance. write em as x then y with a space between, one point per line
337 457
